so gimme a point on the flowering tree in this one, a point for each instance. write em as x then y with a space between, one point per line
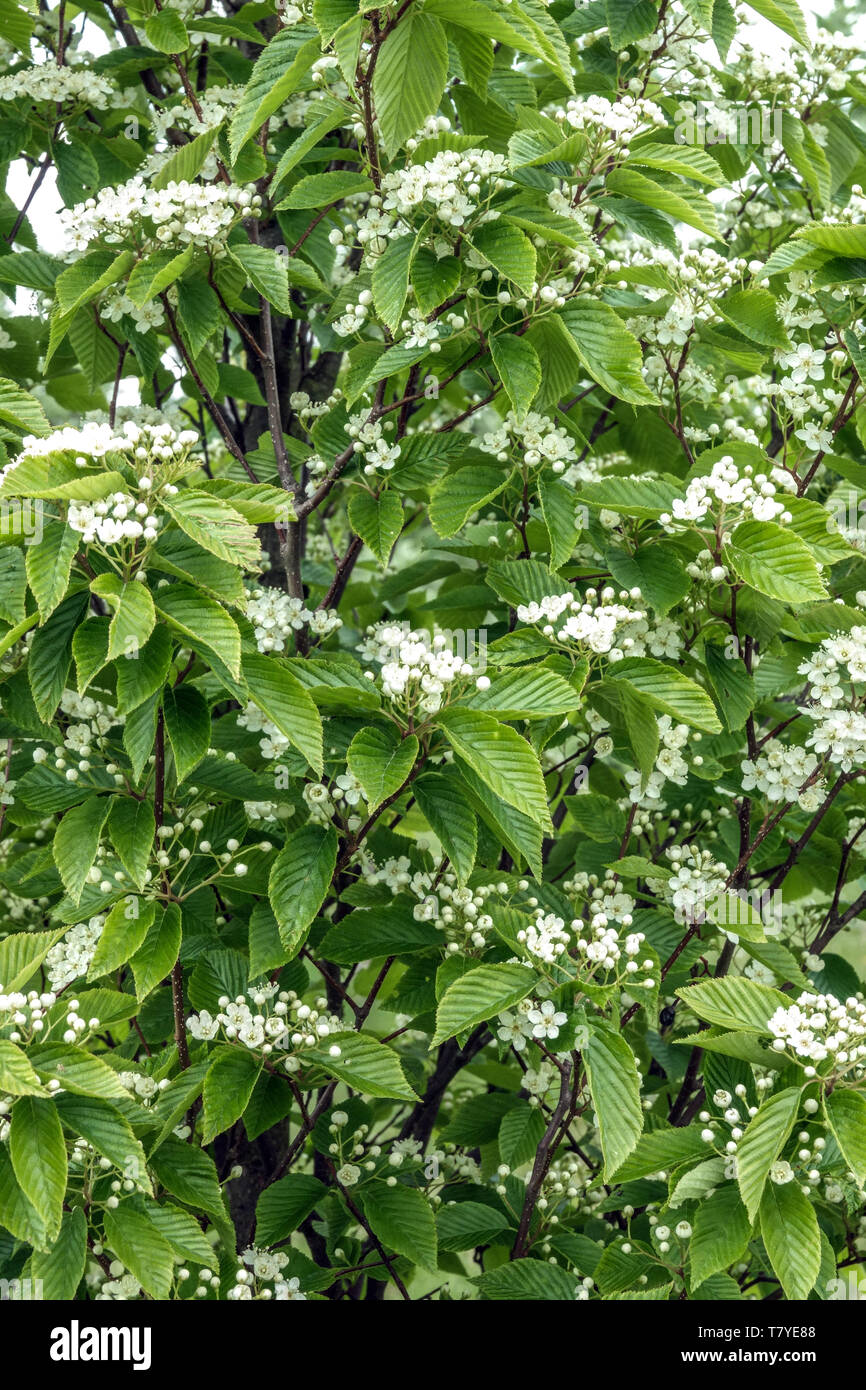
433 652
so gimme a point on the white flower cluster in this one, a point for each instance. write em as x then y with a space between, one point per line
530 1018
725 487
417 669
820 1028
147 443
183 214
272 744
839 730
593 624
25 1015
670 765
46 82
697 881
265 1267
70 958
535 439
265 1023
114 519
622 119
458 911
780 773
394 873
449 185
662 638
371 444
276 616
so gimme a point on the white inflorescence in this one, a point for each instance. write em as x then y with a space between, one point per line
70 958
417 669
821 1028
276 616
536 439
729 488
592 624
186 214
670 764
49 82
780 772
839 731
449 184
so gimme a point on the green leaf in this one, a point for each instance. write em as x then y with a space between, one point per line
463 492
761 1144
390 280
789 1228
846 1116
150 277
755 313
615 1087
17 1077
379 931
786 15
22 953
501 758
668 690
166 31
51 654
734 1002
519 368
450 819
126 927
667 194
279 71
403 1220
76 842
105 1128
158 952
524 1281
775 561
137 1243
320 190
478 995
38 1152
133 614
520 1134
59 1271
284 701
368 1066
377 520
188 725
19 408
508 250
410 76
215 525
299 881
381 761
733 687
203 623
227 1089
610 354
49 562
466 1225
720 1234
529 692
284 1205
79 1071
559 509
433 279
185 161
266 272
131 827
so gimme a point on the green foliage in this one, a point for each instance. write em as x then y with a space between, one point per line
432 653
